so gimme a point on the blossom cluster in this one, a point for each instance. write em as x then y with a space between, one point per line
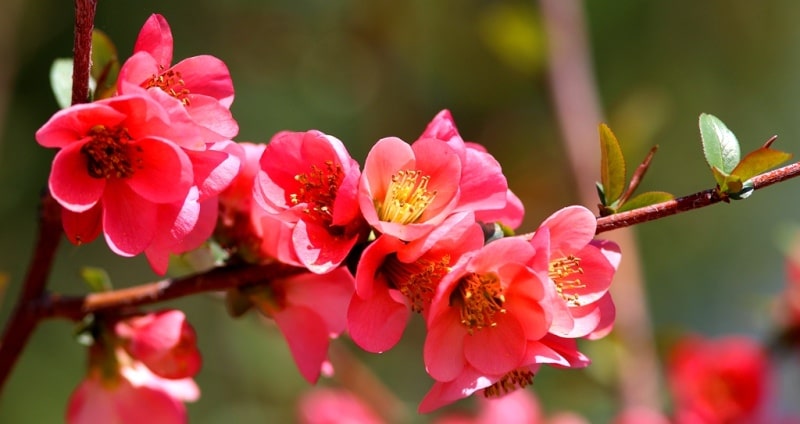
425 228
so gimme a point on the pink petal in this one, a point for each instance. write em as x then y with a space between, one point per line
129 221
511 215
92 403
441 163
210 113
328 295
137 69
207 76
73 123
367 272
483 185
70 182
165 172
443 393
444 347
571 228
377 324
498 349
155 37
317 249
83 227
608 312
215 169
308 341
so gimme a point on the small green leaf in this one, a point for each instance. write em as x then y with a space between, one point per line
96 278
105 65
721 177
720 146
758 161
612 166
61 81
645 199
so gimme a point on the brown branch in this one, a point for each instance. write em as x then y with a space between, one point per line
690 202
24 318
218 279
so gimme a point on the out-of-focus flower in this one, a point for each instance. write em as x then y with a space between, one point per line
394 278
307 184
163 341
517 407
309 310
199 87
719 381
334 406
139 371
581 269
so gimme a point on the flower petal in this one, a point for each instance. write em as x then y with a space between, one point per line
377 324
129 221
155 37
307 337
70 182
165 172
498 349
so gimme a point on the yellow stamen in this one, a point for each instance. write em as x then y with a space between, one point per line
561 271
517 379
406 197
480 297
418 280
171 83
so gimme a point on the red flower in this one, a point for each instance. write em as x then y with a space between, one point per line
199 86
118 154
486 311
163 341
718 381
484 189
307 184
406 191
394 276
581 270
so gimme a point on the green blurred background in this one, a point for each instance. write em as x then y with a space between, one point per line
362 70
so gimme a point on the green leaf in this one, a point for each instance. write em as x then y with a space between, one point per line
612 166
721 177
758 161
105 65
720 146
61 81
96 278
645 199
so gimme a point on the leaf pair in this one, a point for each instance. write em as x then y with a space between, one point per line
614 197
732 173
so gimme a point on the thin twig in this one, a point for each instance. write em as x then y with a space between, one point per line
693 201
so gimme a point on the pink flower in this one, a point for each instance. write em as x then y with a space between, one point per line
581 270
406 191
308 184
550 350
719 381
394 278
334 406
483 186
486 311
163 341
199 86
120 154
309 309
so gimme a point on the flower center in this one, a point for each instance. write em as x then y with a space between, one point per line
108 154
562 272
418 280
517 379
171 83
480 297
317 189
406 198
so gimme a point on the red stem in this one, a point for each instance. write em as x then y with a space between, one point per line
24 318
687 203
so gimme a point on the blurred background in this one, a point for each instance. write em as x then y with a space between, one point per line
362 70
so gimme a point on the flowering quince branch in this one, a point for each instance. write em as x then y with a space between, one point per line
314 242
693 201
